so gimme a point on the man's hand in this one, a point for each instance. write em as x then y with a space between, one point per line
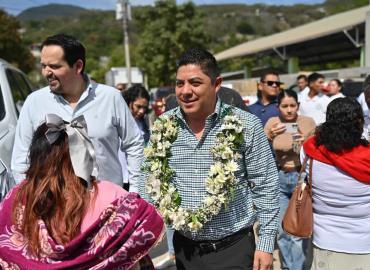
262 260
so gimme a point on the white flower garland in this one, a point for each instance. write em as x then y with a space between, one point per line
220 183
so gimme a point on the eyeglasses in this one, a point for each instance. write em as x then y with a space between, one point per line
271 83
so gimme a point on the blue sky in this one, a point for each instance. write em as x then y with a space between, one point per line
16 6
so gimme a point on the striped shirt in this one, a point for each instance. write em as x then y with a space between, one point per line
256 195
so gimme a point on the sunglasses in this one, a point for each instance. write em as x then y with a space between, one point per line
271 83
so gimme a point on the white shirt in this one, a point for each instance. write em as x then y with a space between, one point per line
366 125
366 109
362 101
303 93
109 122
339 95
341 206
314 107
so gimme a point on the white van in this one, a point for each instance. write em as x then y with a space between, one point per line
14 88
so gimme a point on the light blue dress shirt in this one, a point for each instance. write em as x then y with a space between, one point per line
110 125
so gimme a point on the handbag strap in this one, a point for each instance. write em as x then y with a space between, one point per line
303 168
310 174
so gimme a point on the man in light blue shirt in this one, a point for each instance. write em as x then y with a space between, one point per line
70 94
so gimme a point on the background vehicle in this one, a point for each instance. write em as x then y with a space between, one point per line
119 75
14 88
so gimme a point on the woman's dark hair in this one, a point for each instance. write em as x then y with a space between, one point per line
343 127
287 93
51 192
134 92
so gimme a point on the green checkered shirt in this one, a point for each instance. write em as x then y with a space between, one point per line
256 194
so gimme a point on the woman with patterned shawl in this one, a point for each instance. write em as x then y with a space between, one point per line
61 217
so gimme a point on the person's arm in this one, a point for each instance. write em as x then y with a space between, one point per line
262 174
132 142
22 142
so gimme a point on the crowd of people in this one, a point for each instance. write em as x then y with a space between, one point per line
333 130
98 185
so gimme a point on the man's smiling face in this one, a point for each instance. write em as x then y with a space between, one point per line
195 91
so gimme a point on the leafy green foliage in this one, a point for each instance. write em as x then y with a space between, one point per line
245 28
12 48
160 33
336 6
167 31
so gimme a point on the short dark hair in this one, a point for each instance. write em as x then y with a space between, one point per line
134 92
302 76
339 83
202 58
72 48
268 72
287 93
313 77
343 127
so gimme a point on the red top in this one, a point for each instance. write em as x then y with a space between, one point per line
355 162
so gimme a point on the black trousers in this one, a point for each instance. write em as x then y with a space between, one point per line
235 254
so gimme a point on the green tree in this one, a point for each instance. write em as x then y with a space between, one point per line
337 6
166 31
245 28
12 48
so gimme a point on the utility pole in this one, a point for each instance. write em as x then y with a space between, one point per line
123 12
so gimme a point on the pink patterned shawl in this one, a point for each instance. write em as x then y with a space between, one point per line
125 232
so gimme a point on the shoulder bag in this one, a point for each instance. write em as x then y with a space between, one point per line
298 218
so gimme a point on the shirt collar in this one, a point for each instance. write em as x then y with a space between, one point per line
90 87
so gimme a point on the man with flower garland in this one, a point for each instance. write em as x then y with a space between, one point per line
210 172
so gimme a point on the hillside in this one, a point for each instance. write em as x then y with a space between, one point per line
49 11
226 25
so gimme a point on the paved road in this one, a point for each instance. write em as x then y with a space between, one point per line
159 250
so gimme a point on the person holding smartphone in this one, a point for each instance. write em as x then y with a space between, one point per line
286 133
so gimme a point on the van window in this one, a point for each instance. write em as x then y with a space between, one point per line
19 87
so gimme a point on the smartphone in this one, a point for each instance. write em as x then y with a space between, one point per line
291 127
